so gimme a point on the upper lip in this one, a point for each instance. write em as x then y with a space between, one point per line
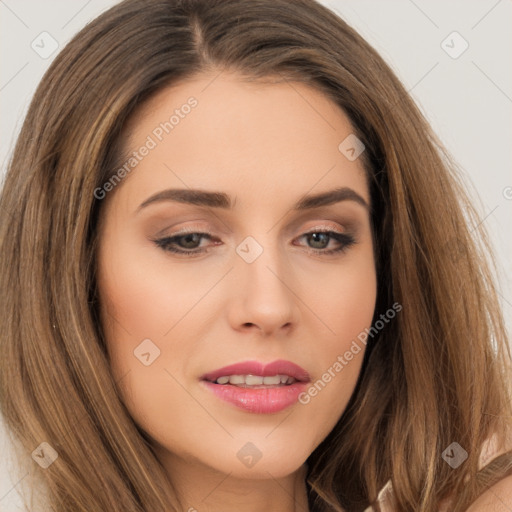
279 367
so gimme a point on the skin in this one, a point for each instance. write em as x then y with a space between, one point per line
267 145
497 498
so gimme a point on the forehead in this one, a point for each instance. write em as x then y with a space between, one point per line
223 132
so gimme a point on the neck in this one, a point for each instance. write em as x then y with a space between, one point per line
202 488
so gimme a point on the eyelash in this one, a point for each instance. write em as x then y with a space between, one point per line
168 243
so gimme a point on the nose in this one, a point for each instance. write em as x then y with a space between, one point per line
264 298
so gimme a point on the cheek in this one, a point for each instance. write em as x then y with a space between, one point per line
143 296
144 306
342 296
138 307
345 302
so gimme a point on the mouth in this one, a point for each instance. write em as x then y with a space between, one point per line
258 388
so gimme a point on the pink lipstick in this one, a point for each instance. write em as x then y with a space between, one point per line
256 387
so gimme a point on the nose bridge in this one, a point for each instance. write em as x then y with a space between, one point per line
264 295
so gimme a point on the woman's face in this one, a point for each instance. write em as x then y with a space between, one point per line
246 162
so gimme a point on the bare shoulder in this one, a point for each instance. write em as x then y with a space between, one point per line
497 498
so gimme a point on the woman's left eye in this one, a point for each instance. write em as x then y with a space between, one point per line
188 244
323 238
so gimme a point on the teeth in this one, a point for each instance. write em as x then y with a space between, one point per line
272 381
235 379
255 380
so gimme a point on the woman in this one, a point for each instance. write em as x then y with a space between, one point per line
336 344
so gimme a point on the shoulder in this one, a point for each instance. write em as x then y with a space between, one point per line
497 498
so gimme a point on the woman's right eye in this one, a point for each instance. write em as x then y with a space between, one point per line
186 243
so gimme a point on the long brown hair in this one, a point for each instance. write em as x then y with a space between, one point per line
437 374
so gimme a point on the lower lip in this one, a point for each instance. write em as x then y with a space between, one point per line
259 401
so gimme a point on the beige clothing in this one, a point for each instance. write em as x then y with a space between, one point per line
385 496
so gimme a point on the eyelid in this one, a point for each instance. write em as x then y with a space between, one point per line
323 227
184 231
206 231
348 227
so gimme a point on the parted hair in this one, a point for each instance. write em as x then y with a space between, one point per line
440 372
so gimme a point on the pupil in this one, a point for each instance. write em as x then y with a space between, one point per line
190 238
317 236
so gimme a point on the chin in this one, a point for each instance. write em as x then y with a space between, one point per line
264 470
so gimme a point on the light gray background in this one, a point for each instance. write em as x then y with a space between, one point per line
468 100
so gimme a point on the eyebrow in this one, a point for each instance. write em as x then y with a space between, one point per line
221 200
